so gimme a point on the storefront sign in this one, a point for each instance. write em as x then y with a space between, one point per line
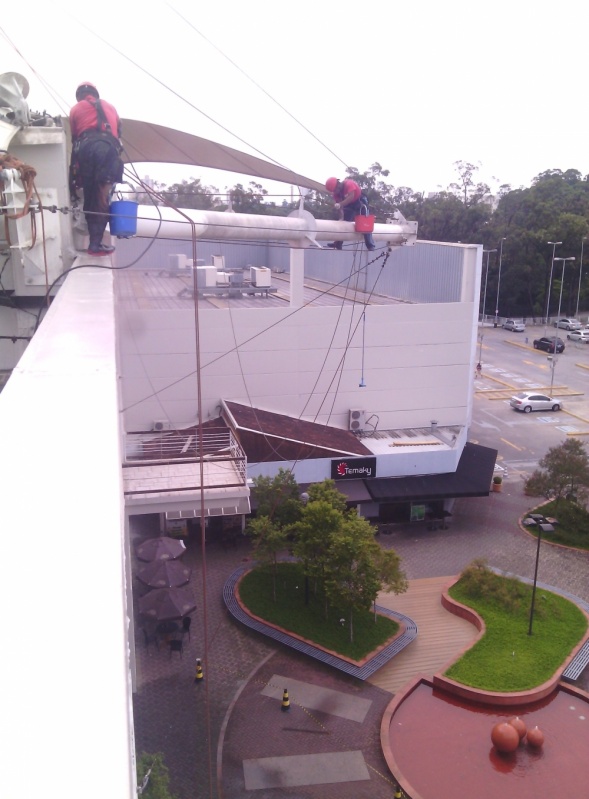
177 528
353 468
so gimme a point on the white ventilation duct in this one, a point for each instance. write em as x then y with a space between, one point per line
13 106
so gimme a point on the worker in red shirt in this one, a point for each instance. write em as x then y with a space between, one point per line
350 202
96 163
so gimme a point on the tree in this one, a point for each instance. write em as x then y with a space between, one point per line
466 188
327 492
312 537
153 777
390 575
192 194
269 541
356 566
252 200
351 579
278 497
563 472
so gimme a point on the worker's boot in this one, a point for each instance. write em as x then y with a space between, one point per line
369 241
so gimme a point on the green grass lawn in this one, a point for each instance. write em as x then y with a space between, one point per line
507 658
572 529
290 612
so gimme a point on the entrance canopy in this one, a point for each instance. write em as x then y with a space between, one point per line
472 478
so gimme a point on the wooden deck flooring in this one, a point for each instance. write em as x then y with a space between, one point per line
441 635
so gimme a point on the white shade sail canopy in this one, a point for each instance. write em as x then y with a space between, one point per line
145 142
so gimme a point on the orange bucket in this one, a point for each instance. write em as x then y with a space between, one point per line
364 224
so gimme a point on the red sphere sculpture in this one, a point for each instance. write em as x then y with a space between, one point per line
536 738
505 737
520 726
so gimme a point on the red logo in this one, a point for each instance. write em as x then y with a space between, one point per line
342 469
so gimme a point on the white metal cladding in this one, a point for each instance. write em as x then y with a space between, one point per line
425 272
237 254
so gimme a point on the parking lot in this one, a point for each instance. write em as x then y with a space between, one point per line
510 364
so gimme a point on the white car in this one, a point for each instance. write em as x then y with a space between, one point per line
579 335
528 401
568 324
513 324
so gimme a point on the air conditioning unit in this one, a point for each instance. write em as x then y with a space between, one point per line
176 262
206 276
357 420
261 276
160 425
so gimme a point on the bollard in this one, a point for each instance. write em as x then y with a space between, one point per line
198 677
285 700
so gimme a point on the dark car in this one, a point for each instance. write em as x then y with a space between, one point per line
547 343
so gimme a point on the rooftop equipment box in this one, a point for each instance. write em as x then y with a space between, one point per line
176 262
260 276
206 276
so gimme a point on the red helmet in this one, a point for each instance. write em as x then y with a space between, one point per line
86 88
331 183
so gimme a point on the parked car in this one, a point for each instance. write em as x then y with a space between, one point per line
514 325
568 324
579 335
549 344
528 401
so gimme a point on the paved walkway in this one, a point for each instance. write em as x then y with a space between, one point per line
255 749
441 634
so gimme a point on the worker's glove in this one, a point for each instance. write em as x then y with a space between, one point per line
337 206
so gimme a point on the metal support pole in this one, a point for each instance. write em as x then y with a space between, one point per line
554 244
580 277
488 252
535 580
499 282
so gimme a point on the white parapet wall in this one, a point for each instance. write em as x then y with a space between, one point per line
65 712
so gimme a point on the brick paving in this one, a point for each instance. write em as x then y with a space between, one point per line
172 714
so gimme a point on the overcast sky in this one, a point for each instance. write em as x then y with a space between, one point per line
414 86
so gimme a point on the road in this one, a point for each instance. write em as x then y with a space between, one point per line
511 364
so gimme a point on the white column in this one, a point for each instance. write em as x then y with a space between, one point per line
297 276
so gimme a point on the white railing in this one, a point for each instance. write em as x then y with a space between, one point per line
177 446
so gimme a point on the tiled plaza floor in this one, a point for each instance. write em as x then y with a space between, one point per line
172 714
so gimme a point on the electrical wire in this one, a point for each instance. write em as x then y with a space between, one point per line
249 340
97 266
179 96
60 102
257 85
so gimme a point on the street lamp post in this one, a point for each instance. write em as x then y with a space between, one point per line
553 364
484 302
564 260
535 580
580 276
554 244
499 282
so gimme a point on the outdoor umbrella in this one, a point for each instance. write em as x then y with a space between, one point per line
163 604
162 548
164 574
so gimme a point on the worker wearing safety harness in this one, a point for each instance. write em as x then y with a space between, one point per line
350 202
96 163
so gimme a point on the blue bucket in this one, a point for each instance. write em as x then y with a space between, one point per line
123 218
